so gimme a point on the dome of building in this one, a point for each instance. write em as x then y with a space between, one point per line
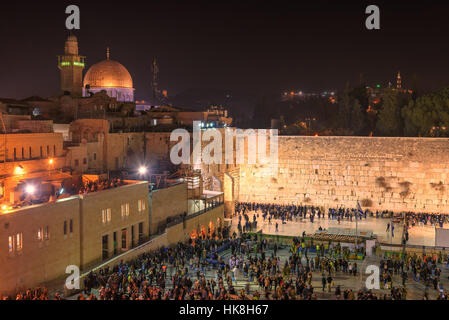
110 76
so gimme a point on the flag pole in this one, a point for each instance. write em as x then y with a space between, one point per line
356 232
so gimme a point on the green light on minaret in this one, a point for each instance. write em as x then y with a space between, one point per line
75 63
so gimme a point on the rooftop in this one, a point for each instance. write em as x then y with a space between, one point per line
59 186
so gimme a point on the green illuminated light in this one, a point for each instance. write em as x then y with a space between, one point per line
378 86
67 63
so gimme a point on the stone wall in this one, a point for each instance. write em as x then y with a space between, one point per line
93 228
181 231
40 259
166 203
382 173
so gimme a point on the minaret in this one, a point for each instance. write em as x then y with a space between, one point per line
71 65
398 81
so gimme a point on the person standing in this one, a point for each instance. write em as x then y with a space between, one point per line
329 282
323 281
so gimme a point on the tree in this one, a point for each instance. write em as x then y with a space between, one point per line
350 113
389 117
262 114
357 117
428 115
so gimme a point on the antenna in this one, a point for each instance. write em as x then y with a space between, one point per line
154 83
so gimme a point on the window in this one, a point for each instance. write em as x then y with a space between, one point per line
48 151
31 155
23 153
106 215
95 156
10 244
71 226
65 227
84 161
77 163
46 233
125 210
40 234
140 232
141 205
19 243
124 246
42 154
54 150
15 154
15 242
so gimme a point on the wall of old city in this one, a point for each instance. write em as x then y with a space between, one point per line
382 173
26 146
40 258
166 203
124 150
94 227
181 231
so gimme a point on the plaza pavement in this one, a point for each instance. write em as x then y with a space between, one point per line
418 235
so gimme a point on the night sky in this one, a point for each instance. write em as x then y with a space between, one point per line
246 46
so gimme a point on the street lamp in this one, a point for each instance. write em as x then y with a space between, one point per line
30 189
19 170
142 170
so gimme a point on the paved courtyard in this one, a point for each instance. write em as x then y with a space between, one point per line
418 235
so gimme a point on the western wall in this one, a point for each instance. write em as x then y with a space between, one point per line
382 173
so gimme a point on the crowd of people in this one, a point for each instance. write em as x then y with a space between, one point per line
245 266
292 212
179 273
414 219
93 186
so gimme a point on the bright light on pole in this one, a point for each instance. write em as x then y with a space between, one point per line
30 189
142 170
19 170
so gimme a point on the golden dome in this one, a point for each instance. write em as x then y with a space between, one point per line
108 74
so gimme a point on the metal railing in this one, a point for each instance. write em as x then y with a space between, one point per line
181 218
